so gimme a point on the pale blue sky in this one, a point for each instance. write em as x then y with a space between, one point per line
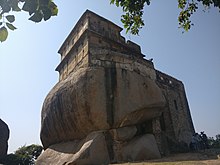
29 57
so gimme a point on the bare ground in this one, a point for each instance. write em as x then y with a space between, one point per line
207 157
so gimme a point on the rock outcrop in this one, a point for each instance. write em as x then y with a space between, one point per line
91 150
99 148
109 104
93 99
4 136
101 110
111 100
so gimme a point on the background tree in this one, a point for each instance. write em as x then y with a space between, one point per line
132 17
214 143
25 155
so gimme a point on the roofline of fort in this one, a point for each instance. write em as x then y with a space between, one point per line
95 33
164 75
78 22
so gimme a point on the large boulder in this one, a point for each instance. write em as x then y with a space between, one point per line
4 136
141 148
90 151
101 148
124 133
98 98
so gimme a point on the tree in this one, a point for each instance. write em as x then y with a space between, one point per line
134 9
214 143
37 9
25 155
132 17
29 153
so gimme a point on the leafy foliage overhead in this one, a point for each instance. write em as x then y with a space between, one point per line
132 18
38 10
134 9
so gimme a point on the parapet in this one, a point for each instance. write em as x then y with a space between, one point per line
169 81
134 46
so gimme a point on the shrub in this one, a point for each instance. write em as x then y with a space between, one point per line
25 155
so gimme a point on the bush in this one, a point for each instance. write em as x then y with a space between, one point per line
25 155
214 143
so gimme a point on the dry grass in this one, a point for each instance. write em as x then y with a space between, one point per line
208 157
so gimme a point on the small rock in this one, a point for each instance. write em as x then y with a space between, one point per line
4 136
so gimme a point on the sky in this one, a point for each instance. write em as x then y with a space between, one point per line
29 57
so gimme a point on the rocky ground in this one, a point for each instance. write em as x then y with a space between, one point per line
207 157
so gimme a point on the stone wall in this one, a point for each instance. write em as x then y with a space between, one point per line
77 57
74 36
104 58
92 31
176 118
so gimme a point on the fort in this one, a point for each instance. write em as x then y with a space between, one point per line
111 104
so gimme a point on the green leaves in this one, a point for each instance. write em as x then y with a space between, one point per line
30 6
8 5
182 4
187 9
3 34
47 14
5 6
38 10
10 26
14 5
6 23
37 17
53 8
10 18
132 18
133 9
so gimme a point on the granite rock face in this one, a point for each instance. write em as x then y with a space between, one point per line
4 136
90 150
100 148
92 117
141 148
93 99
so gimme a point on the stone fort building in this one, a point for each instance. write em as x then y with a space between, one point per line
111 104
